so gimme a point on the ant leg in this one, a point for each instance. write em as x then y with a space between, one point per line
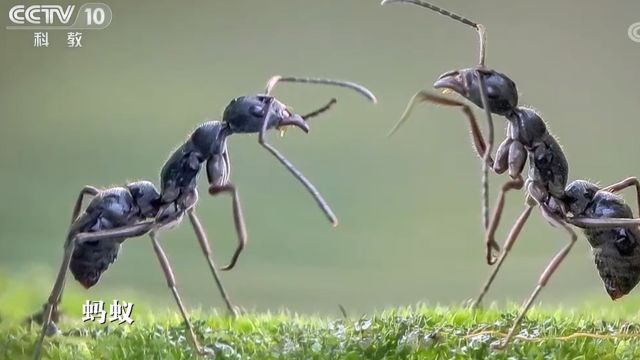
206 249
628 182
476 134
218 171
87 190
513 184
516 158
508 244
129 231
501 163
632 225
481 148
238 220
295 172
556 221
171 282
54 297
603 223
118 233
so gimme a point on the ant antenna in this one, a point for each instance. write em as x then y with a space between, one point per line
487 151
274 80
479 27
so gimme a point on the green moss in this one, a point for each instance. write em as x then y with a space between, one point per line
422 332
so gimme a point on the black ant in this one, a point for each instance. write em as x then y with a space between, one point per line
136 209
527 137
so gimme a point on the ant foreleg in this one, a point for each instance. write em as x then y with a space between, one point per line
206 249
218 172
516 158
476 134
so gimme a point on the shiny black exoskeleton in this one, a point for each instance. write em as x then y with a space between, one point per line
616 251
528 137
607 223
178 178
246 114
207 144
206 147
527 133
109 209
137 209
95 235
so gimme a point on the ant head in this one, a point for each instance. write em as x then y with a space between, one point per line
146 196
578 195
617 263
501 91
246 114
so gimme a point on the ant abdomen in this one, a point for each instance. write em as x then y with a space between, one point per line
91 259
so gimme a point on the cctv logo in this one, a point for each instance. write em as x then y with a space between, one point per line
89 16
40 14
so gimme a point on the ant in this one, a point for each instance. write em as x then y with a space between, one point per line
95 235
138 208
208 143
527 137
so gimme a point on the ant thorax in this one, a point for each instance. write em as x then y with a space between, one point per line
526 126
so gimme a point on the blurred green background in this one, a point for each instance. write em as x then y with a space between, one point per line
409 206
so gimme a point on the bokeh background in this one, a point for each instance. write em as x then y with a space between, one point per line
409 206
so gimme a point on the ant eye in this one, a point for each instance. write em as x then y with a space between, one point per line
256 110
